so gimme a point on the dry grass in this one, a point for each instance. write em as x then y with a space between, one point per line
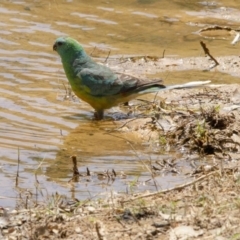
209 207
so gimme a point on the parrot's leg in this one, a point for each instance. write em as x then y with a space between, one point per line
98 115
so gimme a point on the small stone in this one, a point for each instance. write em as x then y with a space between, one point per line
79 210
91 209
27 8
55 231
78 230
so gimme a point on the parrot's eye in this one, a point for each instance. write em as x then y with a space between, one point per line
60 43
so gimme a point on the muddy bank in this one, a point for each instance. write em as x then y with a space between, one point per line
197 122
175 70
165 112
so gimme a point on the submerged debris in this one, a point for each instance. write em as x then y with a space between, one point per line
222 32
108 175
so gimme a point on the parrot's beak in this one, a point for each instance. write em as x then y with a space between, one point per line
55 47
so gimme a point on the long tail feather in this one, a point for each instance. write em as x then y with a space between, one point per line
188 85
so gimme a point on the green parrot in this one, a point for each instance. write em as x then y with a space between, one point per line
97 84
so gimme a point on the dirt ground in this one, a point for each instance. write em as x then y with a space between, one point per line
203 122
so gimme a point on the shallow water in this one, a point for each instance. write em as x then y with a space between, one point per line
42 129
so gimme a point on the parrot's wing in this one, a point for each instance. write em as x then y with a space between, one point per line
100 81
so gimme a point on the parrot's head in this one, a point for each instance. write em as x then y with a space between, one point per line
66 45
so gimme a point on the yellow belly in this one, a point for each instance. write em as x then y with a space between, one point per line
97 102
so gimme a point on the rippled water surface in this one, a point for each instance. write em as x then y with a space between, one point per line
42 128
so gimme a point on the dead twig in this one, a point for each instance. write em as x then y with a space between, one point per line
207 52
163 54
93 51
105 61
76 174
75 168
179 187
17 176
99 231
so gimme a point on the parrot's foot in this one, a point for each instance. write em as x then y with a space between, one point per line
98 115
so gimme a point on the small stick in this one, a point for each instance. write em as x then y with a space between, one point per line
99 232
93 51
88 172
76 174
170 189
163 54
75 168
16 182
107 56
207 52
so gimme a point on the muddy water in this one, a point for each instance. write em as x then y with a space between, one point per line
42 127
